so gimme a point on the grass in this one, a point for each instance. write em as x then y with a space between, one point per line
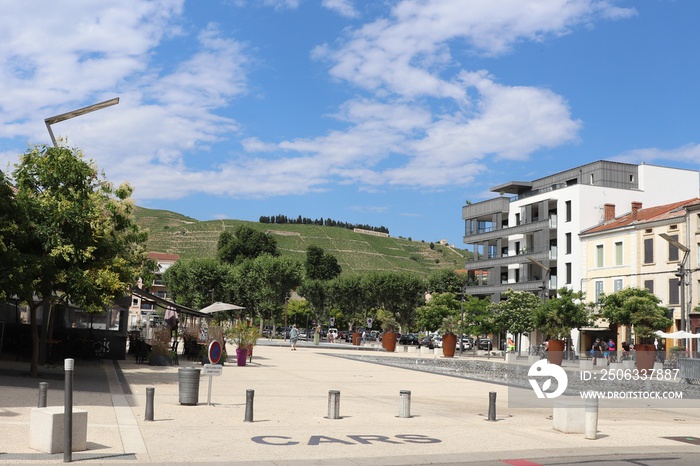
172 233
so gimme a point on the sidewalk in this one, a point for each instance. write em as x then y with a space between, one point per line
448 424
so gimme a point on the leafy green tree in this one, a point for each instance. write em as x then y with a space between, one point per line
244 243
316 293
446 281
11 238
431 315
399 293
637 307
516 314
321 266
350 295
557 316
263 284
80 242
196 283
478 317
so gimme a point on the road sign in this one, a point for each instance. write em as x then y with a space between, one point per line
214 352
213 369
369 322
332 321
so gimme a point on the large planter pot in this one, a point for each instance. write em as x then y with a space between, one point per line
356 338
555 352
449 344
241 355
646 355
389 341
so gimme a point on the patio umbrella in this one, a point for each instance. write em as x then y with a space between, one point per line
218 307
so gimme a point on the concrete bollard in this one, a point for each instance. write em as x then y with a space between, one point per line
43 391
591 407
150 394
249 394
492 406
333 404
405 403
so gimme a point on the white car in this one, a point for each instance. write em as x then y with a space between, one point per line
333 332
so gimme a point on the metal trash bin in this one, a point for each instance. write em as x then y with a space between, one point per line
188 384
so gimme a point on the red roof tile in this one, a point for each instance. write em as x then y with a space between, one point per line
650 214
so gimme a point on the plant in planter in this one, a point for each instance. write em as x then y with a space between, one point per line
389 325
449 330
557 316
244 336
642 310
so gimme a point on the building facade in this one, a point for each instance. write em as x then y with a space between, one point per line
527 239
644 248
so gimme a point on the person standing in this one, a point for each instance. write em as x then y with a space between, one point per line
294 337
612 351
597 351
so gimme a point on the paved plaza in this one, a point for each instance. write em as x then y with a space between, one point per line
448 421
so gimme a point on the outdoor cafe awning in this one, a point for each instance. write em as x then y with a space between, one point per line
677 335
165 304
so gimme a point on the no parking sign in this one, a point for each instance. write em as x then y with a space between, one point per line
369 322
214 352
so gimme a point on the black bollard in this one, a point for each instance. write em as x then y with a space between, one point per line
249 394
150 393
492 406
43 390
68 365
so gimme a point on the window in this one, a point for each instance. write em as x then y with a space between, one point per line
673 291
673 250
568 273
618 253
568 243
649 285
617 285
649 251
598 290
568 211
599 255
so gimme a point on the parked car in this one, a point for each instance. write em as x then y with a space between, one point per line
485 344
409 339
334 332
426 341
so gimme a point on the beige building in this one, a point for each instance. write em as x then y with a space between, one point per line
142 311
644 248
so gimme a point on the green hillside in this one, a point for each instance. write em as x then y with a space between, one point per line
173 233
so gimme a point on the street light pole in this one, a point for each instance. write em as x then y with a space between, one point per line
681 273
74 113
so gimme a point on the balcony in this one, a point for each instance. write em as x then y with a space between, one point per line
486 234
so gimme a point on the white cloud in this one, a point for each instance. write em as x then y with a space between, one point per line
389 134
342 7
689 153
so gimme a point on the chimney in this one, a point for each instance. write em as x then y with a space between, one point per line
635 208
608 212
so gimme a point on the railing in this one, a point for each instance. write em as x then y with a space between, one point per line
689 369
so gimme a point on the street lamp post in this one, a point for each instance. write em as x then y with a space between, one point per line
681 273
74 113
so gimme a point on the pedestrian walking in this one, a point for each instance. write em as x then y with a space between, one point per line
294 337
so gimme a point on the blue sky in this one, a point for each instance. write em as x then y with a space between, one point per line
390 112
